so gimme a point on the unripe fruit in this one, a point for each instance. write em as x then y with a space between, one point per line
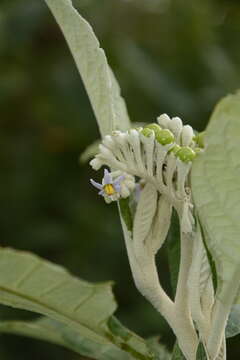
155 127
147 132
175 149
165 137
186 154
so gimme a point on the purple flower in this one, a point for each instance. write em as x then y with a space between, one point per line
110 189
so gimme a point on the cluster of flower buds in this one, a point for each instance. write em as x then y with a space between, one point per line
161 154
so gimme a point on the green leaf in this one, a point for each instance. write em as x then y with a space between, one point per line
201 354
100 83
129 341
233 324
30 283
61 334
177 353
42 329
216 194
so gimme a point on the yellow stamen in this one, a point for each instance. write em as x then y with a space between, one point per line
109 189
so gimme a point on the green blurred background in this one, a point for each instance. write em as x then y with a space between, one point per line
178 57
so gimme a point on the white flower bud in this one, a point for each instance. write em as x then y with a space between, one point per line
164 120
187 135
176 126
108 141
96 163
120 138
105 152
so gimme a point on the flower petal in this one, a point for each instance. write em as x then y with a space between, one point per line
107 179
96 184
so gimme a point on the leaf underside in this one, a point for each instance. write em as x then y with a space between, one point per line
99 80
216 193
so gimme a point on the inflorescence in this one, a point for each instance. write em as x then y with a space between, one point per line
160 154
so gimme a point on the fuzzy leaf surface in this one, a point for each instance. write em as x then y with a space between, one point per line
99 80
216 193
83 309
61 334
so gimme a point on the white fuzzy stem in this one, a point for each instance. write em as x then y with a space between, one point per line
181 298
147 281
221 310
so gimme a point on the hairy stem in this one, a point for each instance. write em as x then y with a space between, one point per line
147 282
221 309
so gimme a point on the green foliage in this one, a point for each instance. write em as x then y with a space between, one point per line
52 331
160 352
201 354
216 193
177 353
100 83
133 347
82 312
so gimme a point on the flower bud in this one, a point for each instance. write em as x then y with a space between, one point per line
187 135
96 163
175 126
164 120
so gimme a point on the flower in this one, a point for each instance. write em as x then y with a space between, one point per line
114 185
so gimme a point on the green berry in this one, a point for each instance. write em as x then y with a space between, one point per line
165 137
175 149
147 132
155 127
186 154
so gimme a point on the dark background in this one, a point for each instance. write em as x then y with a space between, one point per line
178 57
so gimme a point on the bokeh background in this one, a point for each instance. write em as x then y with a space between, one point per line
172 56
